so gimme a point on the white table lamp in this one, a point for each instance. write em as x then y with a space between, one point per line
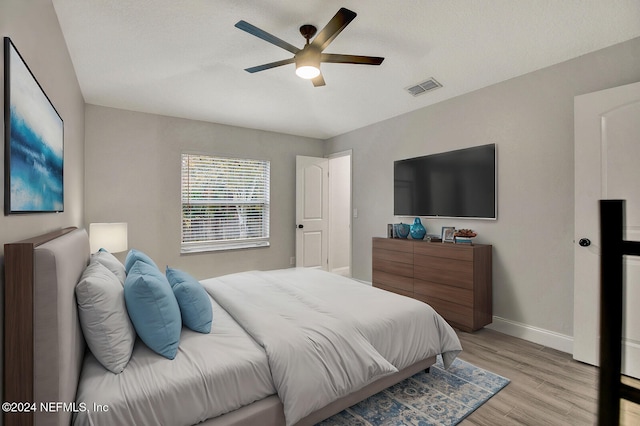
110 236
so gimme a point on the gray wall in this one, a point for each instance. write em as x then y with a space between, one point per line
530 118
132 174
33 27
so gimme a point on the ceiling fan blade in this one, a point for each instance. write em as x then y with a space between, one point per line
253 30
333 28
318 81
350 59
270 65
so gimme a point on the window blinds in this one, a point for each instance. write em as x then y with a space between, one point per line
225 202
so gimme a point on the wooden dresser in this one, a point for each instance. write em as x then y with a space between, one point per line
455 279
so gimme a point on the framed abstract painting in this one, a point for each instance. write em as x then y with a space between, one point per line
34 141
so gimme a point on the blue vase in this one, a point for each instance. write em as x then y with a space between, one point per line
417 230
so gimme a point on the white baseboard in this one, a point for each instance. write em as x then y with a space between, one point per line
551 339
345 271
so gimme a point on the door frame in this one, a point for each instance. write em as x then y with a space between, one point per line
349 183
349 216
590 185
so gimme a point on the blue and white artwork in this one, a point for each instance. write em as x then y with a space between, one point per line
35 136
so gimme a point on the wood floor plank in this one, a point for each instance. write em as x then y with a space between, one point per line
630 414
548 387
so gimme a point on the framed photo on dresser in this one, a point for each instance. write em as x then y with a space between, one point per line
448 234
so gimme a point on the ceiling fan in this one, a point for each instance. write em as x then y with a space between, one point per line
308 58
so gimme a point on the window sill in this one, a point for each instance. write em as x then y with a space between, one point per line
203 248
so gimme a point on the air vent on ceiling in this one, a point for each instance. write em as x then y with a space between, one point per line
424 87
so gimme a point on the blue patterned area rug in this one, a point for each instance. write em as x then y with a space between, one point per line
440 397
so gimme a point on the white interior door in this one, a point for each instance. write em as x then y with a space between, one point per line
607 151
312 211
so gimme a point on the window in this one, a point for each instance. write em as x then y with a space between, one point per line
225 203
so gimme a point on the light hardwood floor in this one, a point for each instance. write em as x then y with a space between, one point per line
547 386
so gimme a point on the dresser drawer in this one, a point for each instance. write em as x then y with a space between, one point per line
445 250
393 256
394 244
444 271
456 315
444 292
381 278
403 269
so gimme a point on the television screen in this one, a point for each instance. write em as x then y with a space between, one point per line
460 184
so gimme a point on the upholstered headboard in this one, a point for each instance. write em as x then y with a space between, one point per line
44 346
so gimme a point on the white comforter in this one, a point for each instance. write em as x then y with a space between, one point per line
212 374
327 336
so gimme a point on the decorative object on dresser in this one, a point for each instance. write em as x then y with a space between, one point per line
455 279
418 231
464 236
401 230
447 234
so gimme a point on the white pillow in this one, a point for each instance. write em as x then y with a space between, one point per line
111 262
104 318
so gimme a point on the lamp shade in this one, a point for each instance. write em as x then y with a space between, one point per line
109 236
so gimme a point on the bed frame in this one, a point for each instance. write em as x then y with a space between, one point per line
44 347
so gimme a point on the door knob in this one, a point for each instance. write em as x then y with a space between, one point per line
300 226
584 242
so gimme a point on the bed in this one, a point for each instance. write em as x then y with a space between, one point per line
255 355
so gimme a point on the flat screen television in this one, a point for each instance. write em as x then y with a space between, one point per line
457 184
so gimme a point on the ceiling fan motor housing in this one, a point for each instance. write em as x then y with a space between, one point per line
309 56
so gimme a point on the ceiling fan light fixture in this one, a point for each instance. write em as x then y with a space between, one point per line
307 71
308 63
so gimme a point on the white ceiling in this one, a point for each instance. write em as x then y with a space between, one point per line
186 59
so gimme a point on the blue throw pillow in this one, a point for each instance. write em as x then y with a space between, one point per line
153 309
193 300
133 256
